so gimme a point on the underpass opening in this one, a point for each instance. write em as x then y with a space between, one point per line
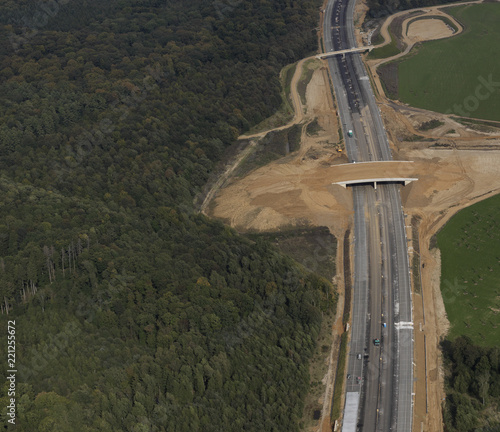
374 182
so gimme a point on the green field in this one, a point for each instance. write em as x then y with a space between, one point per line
461 74
470 272
389 50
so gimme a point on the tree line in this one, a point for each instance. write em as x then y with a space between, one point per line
381 8
473 386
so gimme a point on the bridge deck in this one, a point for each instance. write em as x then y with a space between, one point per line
344 51
404 180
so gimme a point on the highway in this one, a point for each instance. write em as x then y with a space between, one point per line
380 378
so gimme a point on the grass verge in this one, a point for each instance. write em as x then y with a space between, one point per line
339 379
429 125
417 285
307 72
389 50
313 128
479 125
338 389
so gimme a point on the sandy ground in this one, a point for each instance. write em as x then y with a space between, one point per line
298 190
294 191
428 29
448 181
406 121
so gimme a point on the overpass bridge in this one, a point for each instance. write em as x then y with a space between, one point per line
374 172
405 180
344 52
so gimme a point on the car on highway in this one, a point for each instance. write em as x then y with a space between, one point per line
349 133
359 356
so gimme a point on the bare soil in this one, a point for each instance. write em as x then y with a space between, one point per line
428 29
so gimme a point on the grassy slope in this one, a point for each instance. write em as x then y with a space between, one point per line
446 72
470 278
286 111
307 72
386 51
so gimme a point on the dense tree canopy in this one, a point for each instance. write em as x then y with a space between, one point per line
473 386
379 8
132 312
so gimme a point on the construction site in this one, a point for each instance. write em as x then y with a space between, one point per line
451 163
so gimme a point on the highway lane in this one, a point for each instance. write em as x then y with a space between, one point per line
360 290
371 389
381 284
386 417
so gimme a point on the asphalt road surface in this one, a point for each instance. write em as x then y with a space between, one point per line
380 376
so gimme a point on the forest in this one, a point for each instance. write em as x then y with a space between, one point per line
382 8
132 312
472 386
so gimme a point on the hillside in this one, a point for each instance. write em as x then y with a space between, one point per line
133 313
